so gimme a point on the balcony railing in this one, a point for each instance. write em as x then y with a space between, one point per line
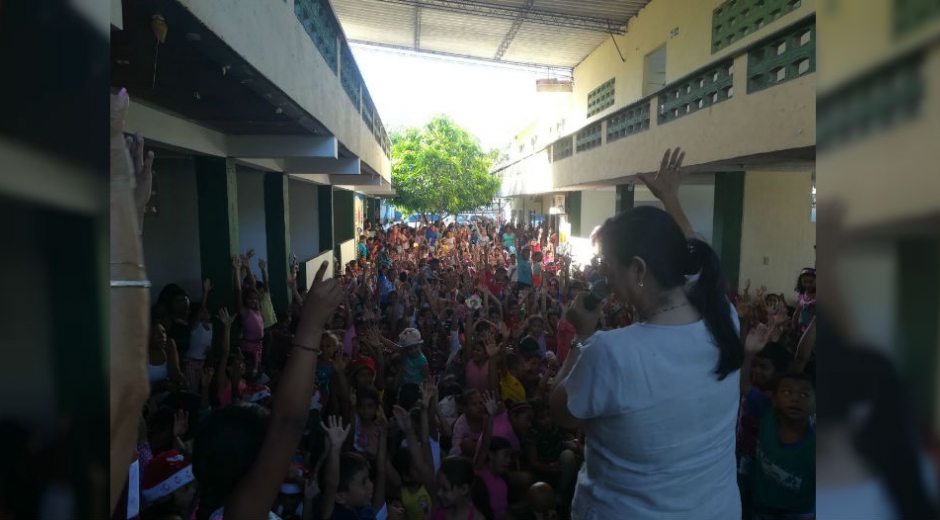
324 29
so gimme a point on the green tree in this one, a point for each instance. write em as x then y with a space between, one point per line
441 169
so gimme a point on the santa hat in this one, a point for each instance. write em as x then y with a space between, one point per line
359 363
290 486
258 392
166 473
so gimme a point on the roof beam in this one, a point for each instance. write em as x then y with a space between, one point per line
281 146
417 27
585 23
561 72
312 165
513 29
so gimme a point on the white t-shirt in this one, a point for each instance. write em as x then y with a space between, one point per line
660 427
200 341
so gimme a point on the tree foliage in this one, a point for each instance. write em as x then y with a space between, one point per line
441 169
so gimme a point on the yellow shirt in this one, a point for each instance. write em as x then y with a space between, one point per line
417 504
511 388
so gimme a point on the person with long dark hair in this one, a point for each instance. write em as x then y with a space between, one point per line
658 400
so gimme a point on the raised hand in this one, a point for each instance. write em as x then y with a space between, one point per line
490 403
324 297
761 291
402 418
226 318
180 423
143 171
262 264
665 183
757 338
250 254
335 432
206 285
236 263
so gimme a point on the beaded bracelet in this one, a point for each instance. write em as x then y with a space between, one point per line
308 349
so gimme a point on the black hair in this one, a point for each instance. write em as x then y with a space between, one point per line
794 376
349 465
500 443
778 356
452 389
409 394
799 281
513 360
528 348
653 235
225 450
402 462
538 405
459 472
169 293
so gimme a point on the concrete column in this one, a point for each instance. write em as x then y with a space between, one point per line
344 213
624 200
728 218
918 311
574 212
277 231
217 192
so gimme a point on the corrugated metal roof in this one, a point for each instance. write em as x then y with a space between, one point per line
567 31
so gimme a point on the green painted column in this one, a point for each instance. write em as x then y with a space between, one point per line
277 229
344 211
217 192
574 212
917 312
72 250
728 218
624 199
325 213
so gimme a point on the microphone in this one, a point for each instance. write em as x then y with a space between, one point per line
600 291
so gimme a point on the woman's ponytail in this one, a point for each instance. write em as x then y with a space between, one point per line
709 296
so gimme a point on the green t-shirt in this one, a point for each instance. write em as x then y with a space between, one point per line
784 475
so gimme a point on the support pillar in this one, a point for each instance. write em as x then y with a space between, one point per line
277 231
344 212
727 222
574 212
624 200
918 311
217 192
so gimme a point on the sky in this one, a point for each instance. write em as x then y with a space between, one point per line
491 102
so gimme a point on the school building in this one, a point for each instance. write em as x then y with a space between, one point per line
731 82
265 136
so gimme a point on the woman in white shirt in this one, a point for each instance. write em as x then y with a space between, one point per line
658 400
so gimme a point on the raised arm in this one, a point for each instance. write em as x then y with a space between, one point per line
335 437
257 490
221 375
483 448
665 186
805 348
237 270
425 470
262 265
203 304
753 343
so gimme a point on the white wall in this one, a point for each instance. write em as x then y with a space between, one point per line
596 208
698 202
777 237
251 219
868 277
171 237
304 220
347 252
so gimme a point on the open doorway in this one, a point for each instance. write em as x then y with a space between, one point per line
654 71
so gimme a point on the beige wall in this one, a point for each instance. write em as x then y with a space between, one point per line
596 207
903 157
779 118
269 36
685 53
777 229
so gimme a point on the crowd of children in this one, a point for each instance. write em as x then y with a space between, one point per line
432 384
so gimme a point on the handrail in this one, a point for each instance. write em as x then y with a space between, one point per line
321 24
